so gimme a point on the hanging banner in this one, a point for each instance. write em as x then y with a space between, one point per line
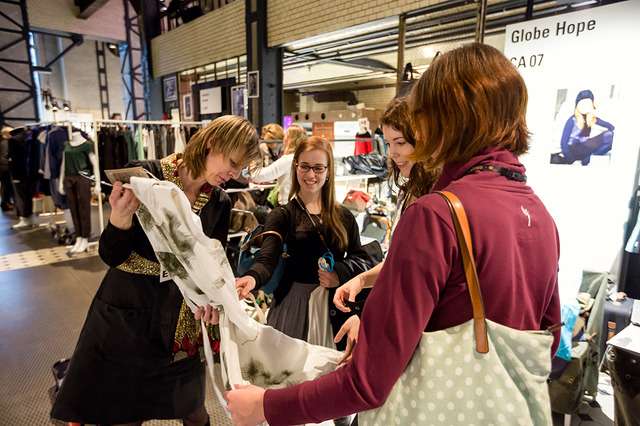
581 76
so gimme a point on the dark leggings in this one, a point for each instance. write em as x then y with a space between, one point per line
78 191
597 145
23 192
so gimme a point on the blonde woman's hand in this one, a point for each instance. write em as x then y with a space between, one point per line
208 314
123 206
328 279
350 329
244 285
348 291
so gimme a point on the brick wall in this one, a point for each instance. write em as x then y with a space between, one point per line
60 15
294 20
212 37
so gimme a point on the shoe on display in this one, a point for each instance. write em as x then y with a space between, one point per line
24 222
74 249
81 245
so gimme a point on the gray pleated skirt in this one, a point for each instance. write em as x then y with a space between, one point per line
291 315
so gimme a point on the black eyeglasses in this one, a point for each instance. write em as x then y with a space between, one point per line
316 169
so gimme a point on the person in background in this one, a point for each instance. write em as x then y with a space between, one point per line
139 355
6 187
281 168
271 151
469 108
412 179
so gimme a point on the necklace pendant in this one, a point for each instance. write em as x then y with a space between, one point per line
320 220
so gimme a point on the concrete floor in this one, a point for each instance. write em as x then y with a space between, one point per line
44 298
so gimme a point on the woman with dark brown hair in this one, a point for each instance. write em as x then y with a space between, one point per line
470 108
413 180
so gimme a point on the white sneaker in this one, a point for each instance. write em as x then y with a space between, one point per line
25 222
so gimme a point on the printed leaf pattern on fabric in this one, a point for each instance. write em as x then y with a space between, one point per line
250 352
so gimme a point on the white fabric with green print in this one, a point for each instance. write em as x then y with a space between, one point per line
249 352
447 382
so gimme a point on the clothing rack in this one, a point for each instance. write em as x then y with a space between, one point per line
150 122
96 125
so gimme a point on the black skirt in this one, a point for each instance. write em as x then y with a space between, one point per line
121 370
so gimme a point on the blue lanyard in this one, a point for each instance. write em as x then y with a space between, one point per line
325 262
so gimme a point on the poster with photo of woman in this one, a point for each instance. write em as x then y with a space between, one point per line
253 84
187 107
170 89
583 134
238 100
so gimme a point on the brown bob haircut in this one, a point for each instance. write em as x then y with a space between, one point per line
229 135
469 99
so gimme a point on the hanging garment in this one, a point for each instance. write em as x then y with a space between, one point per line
140 142
132 150
179 140
249 352
151 144
363 143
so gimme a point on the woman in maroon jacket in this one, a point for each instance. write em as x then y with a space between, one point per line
470 108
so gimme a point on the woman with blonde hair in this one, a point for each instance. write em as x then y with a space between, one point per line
280 169
140 353
271 151
470 108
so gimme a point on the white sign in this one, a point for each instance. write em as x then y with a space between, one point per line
581 74
345 130
211 100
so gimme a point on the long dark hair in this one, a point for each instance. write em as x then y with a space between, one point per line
332 211
421 179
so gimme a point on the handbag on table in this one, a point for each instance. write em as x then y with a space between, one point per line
479 372
250 250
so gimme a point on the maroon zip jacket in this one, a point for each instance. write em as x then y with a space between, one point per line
422 286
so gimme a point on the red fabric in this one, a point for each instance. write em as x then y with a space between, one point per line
422 286
363 147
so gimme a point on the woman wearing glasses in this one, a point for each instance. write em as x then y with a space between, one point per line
322 239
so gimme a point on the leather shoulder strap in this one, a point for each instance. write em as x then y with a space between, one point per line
245 246
464 241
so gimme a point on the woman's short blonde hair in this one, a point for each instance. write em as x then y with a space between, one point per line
229 135
469 99
273 132
296 136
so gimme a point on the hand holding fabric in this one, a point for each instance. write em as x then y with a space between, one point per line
245 403
245 285
350 329
123 206
349 291
209 314
328 279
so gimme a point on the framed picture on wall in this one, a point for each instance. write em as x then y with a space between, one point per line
253 84
238 101
170 89
187 106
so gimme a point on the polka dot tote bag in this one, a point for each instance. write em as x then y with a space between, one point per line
477 373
